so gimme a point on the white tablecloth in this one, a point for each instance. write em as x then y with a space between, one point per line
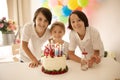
108 69
6 53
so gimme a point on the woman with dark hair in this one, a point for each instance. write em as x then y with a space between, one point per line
34 36
85 37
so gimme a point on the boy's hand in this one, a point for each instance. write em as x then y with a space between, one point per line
34 64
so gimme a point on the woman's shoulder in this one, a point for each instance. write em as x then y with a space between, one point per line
92 29
28 24
72 32
28 28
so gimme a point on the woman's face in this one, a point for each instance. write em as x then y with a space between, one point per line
76 22
41 22
57 32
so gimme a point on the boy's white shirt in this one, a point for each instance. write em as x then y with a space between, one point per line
34 41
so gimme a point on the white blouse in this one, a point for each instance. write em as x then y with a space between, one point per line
90 42
34 41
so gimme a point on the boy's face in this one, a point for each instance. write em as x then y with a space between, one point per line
41 22
57 32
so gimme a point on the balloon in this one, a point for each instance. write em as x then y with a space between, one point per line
45 4
66 11
60 2
63 19
57 10
42 1
72 4
79 8
65 2
53 3
82 3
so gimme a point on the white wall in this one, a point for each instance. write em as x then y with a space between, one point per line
107 20
35 4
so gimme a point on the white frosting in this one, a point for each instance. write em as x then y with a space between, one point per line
53 63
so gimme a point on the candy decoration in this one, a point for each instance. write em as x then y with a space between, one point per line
46 51
57 50
51 53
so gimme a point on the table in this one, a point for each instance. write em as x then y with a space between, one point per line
108 69
6 54
9 53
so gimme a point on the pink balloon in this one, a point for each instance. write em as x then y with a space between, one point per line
53 3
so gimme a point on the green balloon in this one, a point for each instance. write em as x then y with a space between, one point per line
63 19
82 3
45 4
57 10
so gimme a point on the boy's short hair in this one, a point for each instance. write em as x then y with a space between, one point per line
45 11
57 23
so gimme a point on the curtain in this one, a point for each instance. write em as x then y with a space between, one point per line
20 11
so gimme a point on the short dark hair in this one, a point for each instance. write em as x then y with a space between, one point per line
45 11
81 15
57 23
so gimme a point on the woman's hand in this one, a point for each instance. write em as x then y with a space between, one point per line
96 56
34 63
94 59
90 63
97 59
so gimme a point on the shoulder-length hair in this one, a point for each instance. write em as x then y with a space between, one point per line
81 15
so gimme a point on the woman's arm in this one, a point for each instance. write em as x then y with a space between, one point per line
95 58
35 62
73 57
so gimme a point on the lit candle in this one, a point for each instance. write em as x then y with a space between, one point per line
63 50
56 50
60 49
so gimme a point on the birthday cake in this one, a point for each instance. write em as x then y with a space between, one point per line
54 60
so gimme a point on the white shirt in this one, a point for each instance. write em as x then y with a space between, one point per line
66 45
34 41
90 42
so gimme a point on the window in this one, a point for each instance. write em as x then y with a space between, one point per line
3 13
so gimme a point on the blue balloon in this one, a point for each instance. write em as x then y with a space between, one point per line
66 11
42 1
